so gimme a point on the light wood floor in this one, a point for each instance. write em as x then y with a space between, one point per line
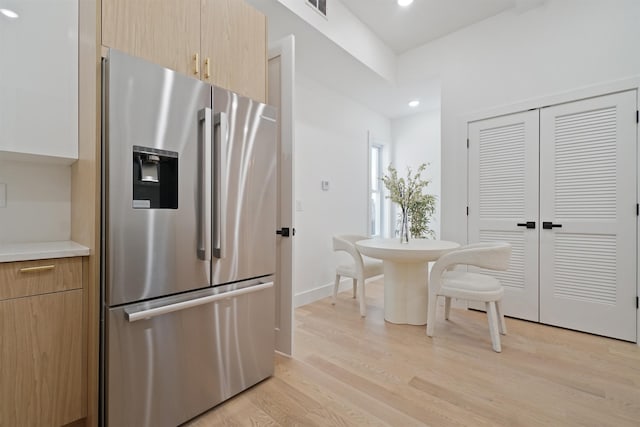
349 371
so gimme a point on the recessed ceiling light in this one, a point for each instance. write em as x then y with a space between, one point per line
9 13
414 103
404 3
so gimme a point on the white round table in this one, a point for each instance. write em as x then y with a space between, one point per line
406 275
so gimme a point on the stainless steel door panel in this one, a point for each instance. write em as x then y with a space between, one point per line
245 163
167 369
151 252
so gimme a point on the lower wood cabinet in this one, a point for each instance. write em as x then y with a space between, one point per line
42 366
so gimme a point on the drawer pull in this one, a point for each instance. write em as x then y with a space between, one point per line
134 316
37 269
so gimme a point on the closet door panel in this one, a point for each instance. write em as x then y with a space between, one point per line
588 193
503 192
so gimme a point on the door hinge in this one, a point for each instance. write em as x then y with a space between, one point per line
467 210
637 209
637 302
467 142
637 116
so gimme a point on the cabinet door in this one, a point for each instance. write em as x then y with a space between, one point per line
39 78
165 32
234 43
503 193
588 192
41 368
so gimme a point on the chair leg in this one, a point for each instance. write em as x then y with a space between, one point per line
363 303
431 315
335 289
492 316
355 286
447 307
503 326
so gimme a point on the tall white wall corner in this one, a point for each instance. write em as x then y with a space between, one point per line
344 29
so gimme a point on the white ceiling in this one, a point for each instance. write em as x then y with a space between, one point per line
329 64
404 28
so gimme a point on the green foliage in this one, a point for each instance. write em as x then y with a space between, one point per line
408 194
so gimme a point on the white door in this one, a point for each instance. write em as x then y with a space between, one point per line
280 95
503 199
588 196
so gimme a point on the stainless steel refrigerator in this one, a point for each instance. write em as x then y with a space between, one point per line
188 231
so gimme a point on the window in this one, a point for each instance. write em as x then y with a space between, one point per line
376 198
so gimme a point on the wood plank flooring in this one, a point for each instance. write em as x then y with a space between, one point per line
350 371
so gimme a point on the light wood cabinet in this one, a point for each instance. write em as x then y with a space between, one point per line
223 42
26 278
234 38
166 32
42 351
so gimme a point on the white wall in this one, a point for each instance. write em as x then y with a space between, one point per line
331 144
561 46
38 202
347 31
416 140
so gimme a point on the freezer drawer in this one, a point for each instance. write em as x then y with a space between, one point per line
169 361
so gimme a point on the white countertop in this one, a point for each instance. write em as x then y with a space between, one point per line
29 251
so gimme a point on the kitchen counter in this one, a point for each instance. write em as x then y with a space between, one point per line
43 250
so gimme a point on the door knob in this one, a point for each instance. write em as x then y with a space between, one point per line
547 225
286 232
528 224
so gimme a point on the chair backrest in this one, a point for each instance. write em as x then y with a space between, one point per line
347 243
489 255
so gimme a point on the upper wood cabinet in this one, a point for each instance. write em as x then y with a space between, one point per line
39 78
234 38
222 42
166 32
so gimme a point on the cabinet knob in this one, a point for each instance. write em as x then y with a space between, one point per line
196 64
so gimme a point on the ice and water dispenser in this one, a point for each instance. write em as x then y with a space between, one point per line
155 178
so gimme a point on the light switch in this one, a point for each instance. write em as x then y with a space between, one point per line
325 185
3 195
298 205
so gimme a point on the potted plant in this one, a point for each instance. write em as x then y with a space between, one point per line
416 208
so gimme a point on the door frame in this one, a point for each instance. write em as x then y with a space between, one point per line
622 85
285 49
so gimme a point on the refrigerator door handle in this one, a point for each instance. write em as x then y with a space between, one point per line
204 196
220 121
134 316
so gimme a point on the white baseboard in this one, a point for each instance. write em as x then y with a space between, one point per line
315 294
324 291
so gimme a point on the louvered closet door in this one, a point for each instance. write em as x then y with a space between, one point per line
588 187
503 192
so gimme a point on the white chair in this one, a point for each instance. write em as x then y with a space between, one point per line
362 267
471 286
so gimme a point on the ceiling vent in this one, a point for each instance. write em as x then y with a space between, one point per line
319 5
